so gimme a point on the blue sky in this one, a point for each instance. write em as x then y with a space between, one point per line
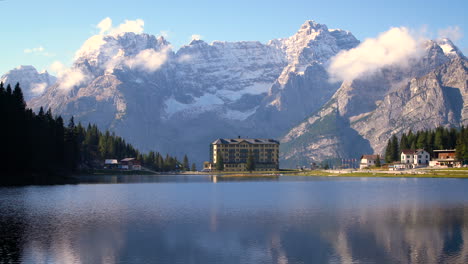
61 27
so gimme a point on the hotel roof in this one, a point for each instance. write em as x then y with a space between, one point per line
246 140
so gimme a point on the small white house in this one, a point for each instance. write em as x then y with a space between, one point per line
368 161
111 163
414 158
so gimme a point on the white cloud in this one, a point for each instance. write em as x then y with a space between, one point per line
196 37
453 33
135 26
185 58
68 77
105 25
39 51
393 47
38 88
149 59
34 50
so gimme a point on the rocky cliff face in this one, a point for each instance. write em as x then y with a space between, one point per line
364 113
33 83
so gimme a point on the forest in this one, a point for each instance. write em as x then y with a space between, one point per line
429 140
40 148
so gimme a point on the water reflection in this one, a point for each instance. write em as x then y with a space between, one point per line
280 221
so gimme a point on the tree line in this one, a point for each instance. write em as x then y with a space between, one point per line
40 147
429 140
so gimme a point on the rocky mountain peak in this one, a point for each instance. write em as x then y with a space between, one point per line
449 49
32 82
310 26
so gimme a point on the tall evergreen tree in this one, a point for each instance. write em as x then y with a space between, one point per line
186 164
250 166
438 139
389 152
377 162
404 142
219 161
395 149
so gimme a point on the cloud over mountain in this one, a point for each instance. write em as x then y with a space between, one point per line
135 26
394 47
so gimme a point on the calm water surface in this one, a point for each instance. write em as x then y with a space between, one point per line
206 219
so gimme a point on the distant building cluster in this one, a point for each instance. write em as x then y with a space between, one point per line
124 164
234 154
415 158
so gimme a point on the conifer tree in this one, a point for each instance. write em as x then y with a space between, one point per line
377 162
219 161
186 164
438 139
388 152
395 149
250 166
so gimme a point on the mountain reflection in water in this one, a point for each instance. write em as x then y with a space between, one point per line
277 220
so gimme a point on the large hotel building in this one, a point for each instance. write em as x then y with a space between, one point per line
236 151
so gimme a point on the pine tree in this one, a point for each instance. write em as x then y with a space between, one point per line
219 161
395 149
421 143
404 142
377 162
438 139
185 164
250 166
389 152
194 167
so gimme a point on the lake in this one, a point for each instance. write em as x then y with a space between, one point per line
208 219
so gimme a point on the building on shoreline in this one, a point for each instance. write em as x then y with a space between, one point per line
125 164
445 158
415 157
235 153
369 160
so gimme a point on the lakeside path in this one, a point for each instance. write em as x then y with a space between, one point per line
415 173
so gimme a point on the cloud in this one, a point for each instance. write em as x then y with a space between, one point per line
135 26
185 58
453 33
149 59
68 77
34 50
105 25
196 37
38 88
39 51
393 47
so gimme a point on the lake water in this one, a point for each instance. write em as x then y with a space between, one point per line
206 219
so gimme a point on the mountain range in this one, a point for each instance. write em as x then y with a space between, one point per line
180 101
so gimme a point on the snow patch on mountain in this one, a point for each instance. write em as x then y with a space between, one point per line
239 115
200 104
449 49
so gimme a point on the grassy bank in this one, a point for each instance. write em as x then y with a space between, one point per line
426 173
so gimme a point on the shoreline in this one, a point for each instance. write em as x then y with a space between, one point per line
417 173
